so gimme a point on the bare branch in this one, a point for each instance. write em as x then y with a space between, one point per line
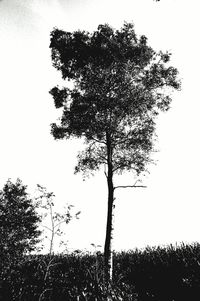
130 186
63 221
46 227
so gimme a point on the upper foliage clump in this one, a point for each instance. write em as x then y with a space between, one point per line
120 85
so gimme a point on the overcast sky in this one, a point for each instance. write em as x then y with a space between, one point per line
168 210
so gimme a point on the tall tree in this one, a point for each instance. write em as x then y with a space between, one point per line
18 221
120 85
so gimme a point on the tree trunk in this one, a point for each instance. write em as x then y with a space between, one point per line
109 228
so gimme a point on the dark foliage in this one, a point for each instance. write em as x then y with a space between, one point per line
18 224
120 86
163 273
155 274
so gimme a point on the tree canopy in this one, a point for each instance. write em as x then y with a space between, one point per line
18 221
120 85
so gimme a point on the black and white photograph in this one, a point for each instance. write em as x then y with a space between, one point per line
99 150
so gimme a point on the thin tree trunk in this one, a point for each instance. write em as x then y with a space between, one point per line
52 230
109 228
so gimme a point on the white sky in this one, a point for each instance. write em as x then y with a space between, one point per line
168 210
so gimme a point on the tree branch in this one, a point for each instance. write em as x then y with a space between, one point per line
99 141
122 166
130 186
104 160
58 224
46 227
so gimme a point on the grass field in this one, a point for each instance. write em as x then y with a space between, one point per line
160 274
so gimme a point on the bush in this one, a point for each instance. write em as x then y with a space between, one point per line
18 222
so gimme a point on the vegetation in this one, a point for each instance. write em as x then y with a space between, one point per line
160 273
120 86
52 220
19 222
53 227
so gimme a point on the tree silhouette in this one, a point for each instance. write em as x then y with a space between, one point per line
18 222
120 85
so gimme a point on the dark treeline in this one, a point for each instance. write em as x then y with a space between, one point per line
159 274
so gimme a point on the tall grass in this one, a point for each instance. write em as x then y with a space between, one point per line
159 274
